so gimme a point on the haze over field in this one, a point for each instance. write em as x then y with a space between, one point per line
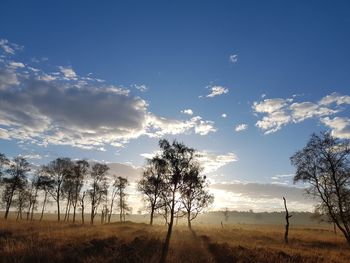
243 82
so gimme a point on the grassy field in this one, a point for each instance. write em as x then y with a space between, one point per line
49 241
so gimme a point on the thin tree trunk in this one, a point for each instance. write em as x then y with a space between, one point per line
165 249
8 204
43 208
58 208
287 221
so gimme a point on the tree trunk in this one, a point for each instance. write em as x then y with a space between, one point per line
189 221
42 210
82 214
8 204
287 221
152 213
165 249
74 208
58 208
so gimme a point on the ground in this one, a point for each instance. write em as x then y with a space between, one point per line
50 241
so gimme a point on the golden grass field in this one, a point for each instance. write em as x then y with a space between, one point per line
50 241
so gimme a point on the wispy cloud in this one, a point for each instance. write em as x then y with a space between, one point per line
217 91
9 48
233 58
241 127
279 112
187 111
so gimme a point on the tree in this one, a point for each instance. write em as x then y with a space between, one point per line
15 180
120 184
324 164
194 194
178 158
46 185
33 188
98 190
22 201
80 170
82 205
57 171
151 184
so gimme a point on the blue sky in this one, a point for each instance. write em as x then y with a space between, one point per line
105 81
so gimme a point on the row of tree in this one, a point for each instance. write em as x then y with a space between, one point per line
172 185
62 180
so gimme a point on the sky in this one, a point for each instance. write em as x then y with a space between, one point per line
245 83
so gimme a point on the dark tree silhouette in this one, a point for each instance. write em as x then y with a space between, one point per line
80 170
120 183
151 184
57 170
14 181
324 164
33 188
82 205
195 196
287 221
98 190
178 158
46 185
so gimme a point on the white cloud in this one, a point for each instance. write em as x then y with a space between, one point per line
79 112
340 126
224 115
241 127
15 65
8 47
160 126
280 112
142 87
335 98
209 161
233 58
187 111
216 91
212 162
8 78
68 72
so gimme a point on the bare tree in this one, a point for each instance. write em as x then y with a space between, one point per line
98 190
324 164
14 181
80 170
287 221
195 196
33 188
82 205
21 201
113 197
178 158
57 170
120 185
46 185
151 184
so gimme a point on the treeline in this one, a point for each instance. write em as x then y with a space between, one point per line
74 183
171 184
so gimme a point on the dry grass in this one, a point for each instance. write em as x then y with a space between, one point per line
130 242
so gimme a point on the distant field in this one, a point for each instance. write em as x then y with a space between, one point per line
50 241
